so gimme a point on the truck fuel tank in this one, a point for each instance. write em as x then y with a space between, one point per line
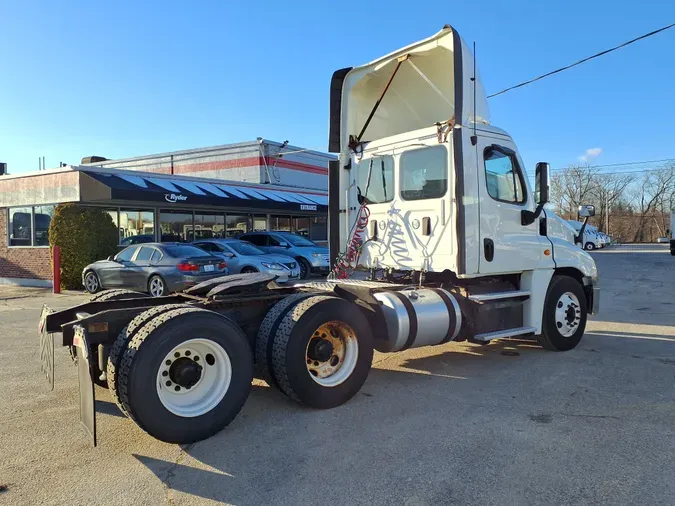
418 318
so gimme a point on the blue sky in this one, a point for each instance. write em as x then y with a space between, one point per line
124 78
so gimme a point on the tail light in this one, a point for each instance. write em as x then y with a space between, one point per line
188 267
222 265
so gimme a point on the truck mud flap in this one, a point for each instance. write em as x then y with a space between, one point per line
85 376
46 347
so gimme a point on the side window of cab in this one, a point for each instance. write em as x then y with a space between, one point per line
503 176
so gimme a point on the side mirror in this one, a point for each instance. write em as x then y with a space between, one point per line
111 258
586 211
542 182
228 254
284 245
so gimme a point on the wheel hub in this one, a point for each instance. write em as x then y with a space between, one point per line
567 314
320 349
185 372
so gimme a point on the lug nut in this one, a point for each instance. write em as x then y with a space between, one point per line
177 354
168 362
168 383
177 388
188 353
165 373
196 359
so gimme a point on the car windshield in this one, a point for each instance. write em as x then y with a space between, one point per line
297 240
185 251
245 248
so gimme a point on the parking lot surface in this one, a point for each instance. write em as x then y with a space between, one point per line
504 423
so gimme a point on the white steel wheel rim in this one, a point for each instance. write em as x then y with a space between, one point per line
210 388
345 353
156 287
91 282
567 314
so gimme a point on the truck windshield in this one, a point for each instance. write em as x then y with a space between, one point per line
380 188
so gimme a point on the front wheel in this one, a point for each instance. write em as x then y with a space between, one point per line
157 286
589 246
305 268
565 314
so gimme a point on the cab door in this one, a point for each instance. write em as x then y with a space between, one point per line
506 245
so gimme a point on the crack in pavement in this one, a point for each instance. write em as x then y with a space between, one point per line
170 473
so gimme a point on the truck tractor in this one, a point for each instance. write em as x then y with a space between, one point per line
435 237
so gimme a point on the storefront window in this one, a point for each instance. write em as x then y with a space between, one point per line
259 223
176 226
281 223
236 225
209 226
302 226
20 226
42 219
318 231
136 222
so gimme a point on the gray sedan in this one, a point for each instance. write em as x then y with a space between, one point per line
242 256
155 268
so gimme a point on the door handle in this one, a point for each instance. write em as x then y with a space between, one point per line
488 249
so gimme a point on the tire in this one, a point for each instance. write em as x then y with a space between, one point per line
91 282
589 246
552 337
145 356
248 270
267 329
157 286
117 294
291 345
305 268
120 344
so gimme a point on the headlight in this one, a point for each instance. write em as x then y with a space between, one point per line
272 265
318 255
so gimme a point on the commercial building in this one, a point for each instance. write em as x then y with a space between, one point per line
181 196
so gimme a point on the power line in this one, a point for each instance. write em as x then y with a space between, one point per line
602 53
645 162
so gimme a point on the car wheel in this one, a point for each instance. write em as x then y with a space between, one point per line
305 268
91 282
157 286
248 270
589 246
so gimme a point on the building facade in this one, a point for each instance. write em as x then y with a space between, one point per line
166 197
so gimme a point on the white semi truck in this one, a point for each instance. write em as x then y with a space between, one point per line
427 196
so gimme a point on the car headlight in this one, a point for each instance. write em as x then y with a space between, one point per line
272 265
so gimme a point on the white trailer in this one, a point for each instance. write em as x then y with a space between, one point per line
426 195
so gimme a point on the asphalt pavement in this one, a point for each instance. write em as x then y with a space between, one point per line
504 423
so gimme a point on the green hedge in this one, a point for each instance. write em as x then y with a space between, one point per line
85 235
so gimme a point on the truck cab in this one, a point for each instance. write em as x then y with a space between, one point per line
426 188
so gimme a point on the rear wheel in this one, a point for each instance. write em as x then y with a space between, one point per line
157 286
589 246
91 282
248 270
120 344
322 351
185 375
565 314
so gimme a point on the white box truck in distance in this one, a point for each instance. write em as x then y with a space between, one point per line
426 194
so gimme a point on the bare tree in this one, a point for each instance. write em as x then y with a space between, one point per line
651 197
571 187
607 189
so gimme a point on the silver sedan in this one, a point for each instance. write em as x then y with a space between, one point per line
156 268
242 256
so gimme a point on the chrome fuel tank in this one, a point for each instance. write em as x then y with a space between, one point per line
417 318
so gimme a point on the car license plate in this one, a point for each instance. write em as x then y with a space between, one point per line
209 268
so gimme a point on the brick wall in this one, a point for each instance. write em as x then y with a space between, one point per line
26 263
